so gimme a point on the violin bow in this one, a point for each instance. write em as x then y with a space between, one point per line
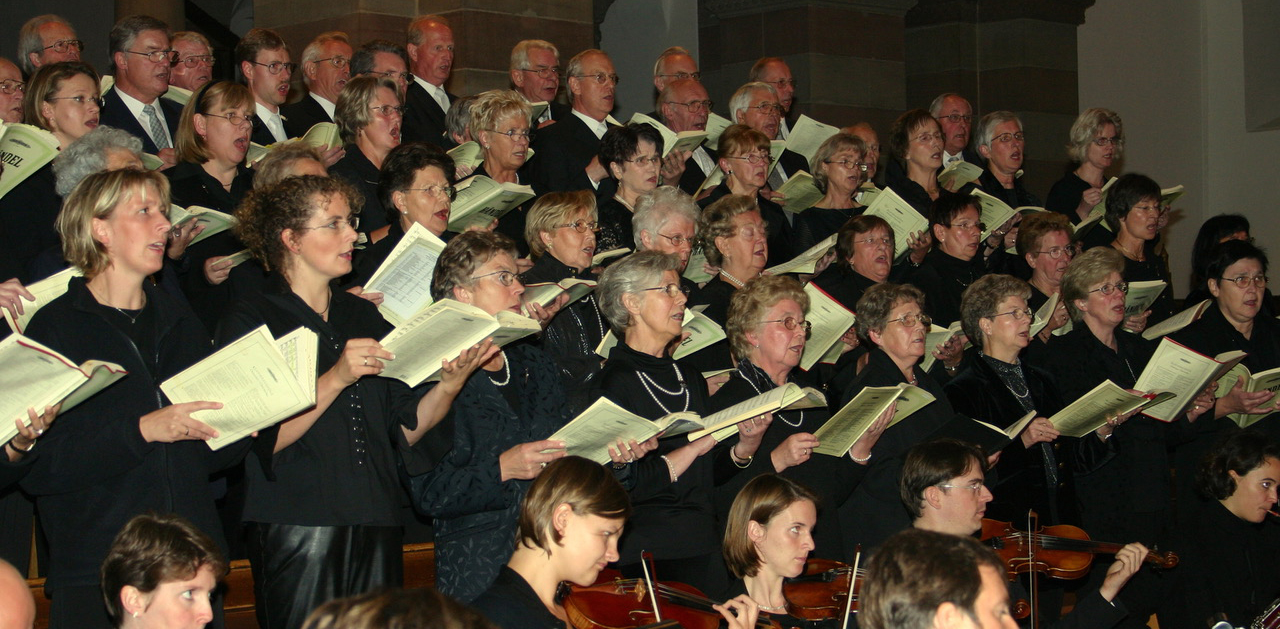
1033 520
853 578
648 581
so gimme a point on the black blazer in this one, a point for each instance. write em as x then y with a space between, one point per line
423 118
261 134
299 117
116 114
792 162
693 175
561 154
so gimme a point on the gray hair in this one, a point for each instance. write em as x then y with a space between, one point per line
670 52
631 275
574 67
362 59
458 119
316 47
88 155
29 39
520 53
127 30
987 127
741 99
191 36
935 108
656 207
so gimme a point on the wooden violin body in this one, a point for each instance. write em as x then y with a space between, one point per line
1061 552
821 591
617 603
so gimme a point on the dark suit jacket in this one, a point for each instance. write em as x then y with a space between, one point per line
116 114
561 153
792 162
302 115
423 118
261 134
693 175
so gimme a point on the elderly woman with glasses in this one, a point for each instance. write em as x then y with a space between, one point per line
1096 142
744 158
632 154
1128 496
672 493
501 419
1001 142
666 220
500 124
561 231
892 320
864 258
1044 241
368 115
734 239
838 169
61 98
1136 214
767 332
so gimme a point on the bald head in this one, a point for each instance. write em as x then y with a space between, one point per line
17 607
868 135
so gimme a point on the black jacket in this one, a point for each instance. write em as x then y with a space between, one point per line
27 214
561 154
299 117
261 133
1226 566
116 114
95 471
572 336
423 118
357 170
511 604
693 176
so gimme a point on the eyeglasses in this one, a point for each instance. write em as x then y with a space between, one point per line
276 66
1018 314
753 159
1106 141
1057 252
337 62
677 239
750 232
513 134
506 278
910 320
697 76
600 78
791 323
338 223
672 290
1009 137
1244 281
966 225
768 109
437 190
10 86
849 164
62 45
956 118
643 160
79 100
883 240
1107 289
388 110
195 60
544 73
975 487
695 106
390 74
158 56
581 226
781 83
234 118
1157 209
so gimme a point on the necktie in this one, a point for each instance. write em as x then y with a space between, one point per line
157 130
953 159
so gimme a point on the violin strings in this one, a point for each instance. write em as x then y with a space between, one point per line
1050 542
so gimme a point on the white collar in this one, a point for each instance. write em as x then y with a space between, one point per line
434 90
264 113
947 157
136 105
325 104
271 118
598 127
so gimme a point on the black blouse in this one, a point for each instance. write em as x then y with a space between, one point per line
511 604
27 214
943 277
574 333
615 226
817 223
357 170
1064 197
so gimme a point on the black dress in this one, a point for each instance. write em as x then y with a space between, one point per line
943 277
1064 197
511 604
615 226
357 170
831 478
843 284
574 333
27 214
816 223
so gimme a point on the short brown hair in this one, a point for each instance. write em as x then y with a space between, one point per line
915 571
586 486
981 299
857 226
1036 226
904 127
748 306
424 608
555 208
932 463
717 222
879 300
834 144
191 147
97 196
740 139
352 111
267 212
1085 270
465 253
152 550
759 501
256 41
46 82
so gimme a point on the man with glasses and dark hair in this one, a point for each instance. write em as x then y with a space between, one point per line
326 67
685 106
535 75
264 62
943 487
385 59
566 153
12 88
194 66
142 57
430 48
46 39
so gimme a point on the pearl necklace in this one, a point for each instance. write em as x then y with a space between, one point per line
649 385
742 371
506 368
732 280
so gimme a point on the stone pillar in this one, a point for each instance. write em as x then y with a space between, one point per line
1002 54
847 57
484 30
170 11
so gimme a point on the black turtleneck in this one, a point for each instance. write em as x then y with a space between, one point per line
573 334
943 278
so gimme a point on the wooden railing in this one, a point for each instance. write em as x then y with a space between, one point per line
419 572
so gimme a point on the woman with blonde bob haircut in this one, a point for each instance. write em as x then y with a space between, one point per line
500 125
127 450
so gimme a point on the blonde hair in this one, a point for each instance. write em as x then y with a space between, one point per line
98 196
748 306
190 145
352 111
555 208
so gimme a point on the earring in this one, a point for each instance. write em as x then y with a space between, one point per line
135 614
730 171
486 147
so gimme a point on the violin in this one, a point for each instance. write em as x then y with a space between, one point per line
1061 552
821 591
617 603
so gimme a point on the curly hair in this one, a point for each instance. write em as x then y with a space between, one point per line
749 305
1241 452
465 253
396 609
981 299
880 300
266 213
717 222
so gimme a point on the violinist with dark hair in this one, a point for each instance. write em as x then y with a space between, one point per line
570 522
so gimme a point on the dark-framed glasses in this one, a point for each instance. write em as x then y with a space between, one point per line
644 160
849 164
956 118
680 76
676 239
